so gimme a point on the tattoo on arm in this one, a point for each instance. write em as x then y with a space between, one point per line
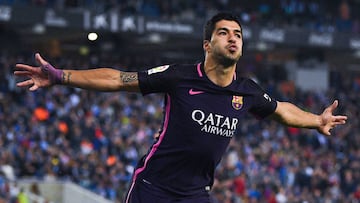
127 78
66 78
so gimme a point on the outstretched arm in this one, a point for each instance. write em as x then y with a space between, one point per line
100 79
291 115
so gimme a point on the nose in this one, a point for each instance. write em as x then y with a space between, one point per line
232 37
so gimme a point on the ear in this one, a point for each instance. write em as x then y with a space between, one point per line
206 45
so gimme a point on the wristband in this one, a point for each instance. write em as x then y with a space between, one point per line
54 75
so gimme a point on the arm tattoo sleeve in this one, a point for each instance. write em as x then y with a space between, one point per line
127 78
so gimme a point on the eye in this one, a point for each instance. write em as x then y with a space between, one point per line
222 33
238 36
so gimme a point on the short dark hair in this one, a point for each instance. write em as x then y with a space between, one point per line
210 24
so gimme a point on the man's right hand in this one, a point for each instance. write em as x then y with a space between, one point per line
43 76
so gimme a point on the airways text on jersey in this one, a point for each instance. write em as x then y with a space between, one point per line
215 123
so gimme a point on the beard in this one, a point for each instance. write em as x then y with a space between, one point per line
227 59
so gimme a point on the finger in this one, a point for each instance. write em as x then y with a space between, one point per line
39 59
327 132
24 67
22 73
33 88
339 122
25 83
329 129
340 118
333 106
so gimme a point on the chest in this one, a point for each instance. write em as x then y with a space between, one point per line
210 104
208 112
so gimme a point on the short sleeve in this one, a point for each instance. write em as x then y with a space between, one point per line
158 79
263 104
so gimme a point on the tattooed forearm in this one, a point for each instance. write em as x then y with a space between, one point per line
128 77
66 78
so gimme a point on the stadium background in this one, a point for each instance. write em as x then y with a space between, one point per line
303 51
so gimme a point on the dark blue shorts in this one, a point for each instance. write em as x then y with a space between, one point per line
142 192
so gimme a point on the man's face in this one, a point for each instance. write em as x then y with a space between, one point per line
226 42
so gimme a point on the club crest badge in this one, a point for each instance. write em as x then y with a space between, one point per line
237 102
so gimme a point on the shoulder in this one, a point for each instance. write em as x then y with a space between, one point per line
248 86
182 70
247 82
165 78
168 72
170 67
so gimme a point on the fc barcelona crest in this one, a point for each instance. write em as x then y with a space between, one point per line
237 102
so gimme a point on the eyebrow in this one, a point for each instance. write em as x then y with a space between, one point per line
227 29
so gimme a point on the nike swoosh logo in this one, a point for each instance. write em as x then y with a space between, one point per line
194 92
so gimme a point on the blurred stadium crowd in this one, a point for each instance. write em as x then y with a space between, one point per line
95 139
319 15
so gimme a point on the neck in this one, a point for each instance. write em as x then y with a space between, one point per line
218 73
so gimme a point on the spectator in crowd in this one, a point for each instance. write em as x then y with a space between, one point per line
344 22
